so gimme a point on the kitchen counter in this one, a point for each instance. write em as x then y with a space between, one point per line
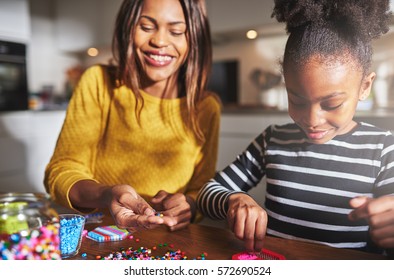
260 109
381 117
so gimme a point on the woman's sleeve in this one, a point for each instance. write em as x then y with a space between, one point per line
75 150
239 177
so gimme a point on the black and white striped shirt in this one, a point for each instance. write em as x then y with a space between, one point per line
309 185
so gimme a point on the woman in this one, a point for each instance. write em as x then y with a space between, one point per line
145 129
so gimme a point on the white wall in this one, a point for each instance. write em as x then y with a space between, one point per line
234 15
46 63
14 20
264 53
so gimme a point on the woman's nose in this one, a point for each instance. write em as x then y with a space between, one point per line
159 39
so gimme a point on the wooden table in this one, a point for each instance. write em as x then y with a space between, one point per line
217 243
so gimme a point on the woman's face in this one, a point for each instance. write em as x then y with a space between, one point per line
160 41
323 97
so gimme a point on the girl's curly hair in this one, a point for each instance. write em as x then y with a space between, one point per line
332 28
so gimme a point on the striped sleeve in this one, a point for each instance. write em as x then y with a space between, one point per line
384 184
239 177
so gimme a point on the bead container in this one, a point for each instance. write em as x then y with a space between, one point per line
29 227
70 233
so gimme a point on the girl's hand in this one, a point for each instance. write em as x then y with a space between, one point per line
379 213
177 206
247 220
131 211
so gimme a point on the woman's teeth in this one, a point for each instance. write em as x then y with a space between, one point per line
160 58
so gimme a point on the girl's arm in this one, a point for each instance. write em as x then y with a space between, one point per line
239 177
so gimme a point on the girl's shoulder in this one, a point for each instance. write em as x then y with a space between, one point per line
284 132
374 133
283 128
367 127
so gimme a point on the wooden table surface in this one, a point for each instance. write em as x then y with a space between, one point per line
215 243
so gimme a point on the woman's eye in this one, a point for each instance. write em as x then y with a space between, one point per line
147 27
177 32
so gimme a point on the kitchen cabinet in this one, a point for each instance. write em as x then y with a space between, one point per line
27 141
81 24
14 21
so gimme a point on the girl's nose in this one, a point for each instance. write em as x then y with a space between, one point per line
312 116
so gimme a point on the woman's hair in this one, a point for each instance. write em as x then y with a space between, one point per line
332 29
194 72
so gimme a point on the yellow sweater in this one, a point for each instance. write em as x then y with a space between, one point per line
102 141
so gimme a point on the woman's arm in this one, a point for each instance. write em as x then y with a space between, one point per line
75 149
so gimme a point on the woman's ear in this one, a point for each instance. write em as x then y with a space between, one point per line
366 86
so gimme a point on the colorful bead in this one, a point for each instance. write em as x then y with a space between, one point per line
159 214
144 253
37 244
71 228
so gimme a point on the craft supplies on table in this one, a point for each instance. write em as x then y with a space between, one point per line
29 227
71 231
264 254
94 218
107 233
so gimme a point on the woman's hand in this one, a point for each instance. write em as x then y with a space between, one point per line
379 212
132 212
178 206
247 220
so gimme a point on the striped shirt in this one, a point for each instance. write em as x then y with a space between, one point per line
309 185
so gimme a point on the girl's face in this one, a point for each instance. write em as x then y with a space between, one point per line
160 41
323 97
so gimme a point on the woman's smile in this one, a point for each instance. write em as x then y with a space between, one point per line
158 60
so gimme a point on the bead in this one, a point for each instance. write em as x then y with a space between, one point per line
71 230
39 244
159 214
144 253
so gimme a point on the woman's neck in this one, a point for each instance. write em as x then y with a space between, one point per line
168 89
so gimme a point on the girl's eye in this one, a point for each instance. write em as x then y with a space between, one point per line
331 107
297 104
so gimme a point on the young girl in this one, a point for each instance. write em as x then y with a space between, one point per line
330 180
146 129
